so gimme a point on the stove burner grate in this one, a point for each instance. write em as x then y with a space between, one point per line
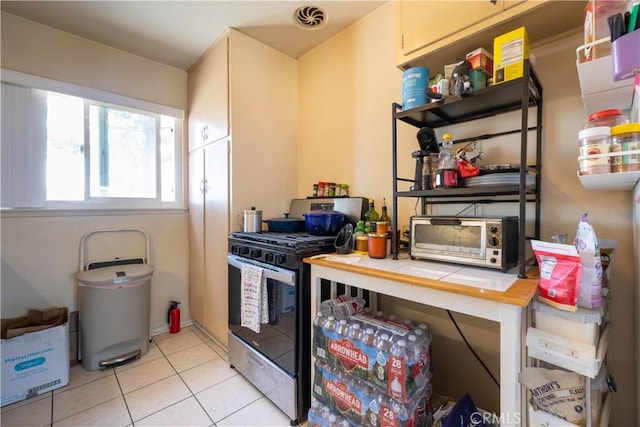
292 240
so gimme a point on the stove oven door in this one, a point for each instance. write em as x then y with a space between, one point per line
276 340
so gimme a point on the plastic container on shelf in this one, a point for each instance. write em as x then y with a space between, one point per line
583 325
595 143
625 140
447 176
596 26
611 117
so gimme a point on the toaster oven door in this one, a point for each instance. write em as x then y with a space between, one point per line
449 239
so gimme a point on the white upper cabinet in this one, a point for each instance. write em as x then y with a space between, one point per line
435 33
209 97
424 23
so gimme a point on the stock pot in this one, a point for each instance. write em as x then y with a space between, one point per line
286 224
324 222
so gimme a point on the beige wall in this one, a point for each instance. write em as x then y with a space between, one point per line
347 86
36 49
40 251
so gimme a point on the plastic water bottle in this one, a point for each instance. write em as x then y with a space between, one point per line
329 325
318 334
384 346
355 332
369 337
447 176
414 357
398 351
342 328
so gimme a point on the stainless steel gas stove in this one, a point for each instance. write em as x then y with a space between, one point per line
277 360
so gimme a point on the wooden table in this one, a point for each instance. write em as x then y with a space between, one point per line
484 293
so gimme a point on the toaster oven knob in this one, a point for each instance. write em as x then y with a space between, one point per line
493 229
494 241
493 260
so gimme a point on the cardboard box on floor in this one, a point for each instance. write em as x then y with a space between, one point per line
35 354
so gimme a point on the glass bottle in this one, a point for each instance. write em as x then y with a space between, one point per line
447 176
370 216
426 174
384 216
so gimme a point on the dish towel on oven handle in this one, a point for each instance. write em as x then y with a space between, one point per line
253 300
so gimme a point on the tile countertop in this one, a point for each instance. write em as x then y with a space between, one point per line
471 281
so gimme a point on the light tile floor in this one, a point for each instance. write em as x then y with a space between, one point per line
183 380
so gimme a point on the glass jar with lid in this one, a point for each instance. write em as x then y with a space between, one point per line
625 140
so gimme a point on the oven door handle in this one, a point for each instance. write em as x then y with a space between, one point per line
282 275
445 221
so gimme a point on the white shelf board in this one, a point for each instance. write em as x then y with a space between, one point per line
599 90
610 181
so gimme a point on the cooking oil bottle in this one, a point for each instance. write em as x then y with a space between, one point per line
447 176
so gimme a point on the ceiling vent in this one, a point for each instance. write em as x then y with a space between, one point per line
310 17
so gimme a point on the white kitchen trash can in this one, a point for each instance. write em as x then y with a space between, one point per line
114 313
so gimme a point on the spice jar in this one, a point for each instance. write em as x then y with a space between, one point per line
594 149
344 190
332 189
625 139
362 242
377 245
315 190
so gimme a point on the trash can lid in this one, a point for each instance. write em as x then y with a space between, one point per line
115 274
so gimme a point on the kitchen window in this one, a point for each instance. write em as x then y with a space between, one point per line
93 151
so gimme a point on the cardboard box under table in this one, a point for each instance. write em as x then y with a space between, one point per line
35 354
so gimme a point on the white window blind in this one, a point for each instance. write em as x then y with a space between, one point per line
24 146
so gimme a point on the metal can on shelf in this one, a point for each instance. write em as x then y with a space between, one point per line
594 148
625 140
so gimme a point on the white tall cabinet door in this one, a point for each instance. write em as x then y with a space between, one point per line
250 161
209 97
216 226
196 235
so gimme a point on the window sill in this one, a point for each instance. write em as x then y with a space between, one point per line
26 213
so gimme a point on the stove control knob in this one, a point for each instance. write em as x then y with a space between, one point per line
244 250
268 257
281 259
256 253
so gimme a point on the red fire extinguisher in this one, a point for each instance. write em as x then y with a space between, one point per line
173 317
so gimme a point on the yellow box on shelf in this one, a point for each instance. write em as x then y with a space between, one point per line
509 52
